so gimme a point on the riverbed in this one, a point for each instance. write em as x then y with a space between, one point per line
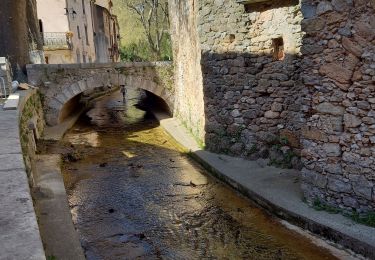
135 193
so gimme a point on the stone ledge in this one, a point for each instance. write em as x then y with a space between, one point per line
37 67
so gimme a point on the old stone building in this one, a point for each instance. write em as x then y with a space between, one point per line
290 80
78 31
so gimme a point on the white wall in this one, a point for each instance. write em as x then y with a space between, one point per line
52 13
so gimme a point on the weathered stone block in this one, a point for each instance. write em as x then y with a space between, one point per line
328 108
235 113
352 47
350 202
341 5
336 72
271 114
350 157
361 186
332 149
330 124
351 121
334 168
313 24
292 137
338 185
314 134
323 7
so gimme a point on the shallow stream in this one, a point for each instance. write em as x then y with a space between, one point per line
134 194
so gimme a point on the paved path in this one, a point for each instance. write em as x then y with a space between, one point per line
19 232
277 190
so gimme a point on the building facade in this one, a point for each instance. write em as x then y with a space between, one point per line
78 31
288 80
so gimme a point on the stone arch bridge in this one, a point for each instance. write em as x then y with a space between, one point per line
60 83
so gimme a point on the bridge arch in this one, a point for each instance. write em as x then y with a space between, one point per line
60 84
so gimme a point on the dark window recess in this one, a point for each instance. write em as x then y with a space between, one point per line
83 7
41 29
278 49
87 36
78 32
232 37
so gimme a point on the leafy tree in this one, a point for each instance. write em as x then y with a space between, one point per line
154 18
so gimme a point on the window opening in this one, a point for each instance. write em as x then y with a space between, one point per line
278 49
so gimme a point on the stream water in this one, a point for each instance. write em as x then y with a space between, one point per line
134 194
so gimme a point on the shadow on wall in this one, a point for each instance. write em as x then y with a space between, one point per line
254 97
265 6
253 103
267 90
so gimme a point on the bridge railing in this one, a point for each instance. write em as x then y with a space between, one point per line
57 41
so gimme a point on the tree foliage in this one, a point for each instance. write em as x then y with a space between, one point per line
153 15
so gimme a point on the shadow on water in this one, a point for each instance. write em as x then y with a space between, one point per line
134 194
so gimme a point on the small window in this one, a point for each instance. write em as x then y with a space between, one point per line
83 7
278 49
231 38
86 35
78 32
41 29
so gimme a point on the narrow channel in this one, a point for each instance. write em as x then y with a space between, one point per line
134 194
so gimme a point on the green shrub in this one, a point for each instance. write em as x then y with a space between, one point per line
141 51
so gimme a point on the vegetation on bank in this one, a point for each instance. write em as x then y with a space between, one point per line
144 29
367 219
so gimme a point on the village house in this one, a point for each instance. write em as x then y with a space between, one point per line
78 31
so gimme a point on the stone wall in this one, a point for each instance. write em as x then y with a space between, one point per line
189 103
252 97
339 73
285 79
31 124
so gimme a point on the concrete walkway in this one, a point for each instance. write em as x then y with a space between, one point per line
19 231
278 191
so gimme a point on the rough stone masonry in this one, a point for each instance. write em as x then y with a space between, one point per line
284 78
